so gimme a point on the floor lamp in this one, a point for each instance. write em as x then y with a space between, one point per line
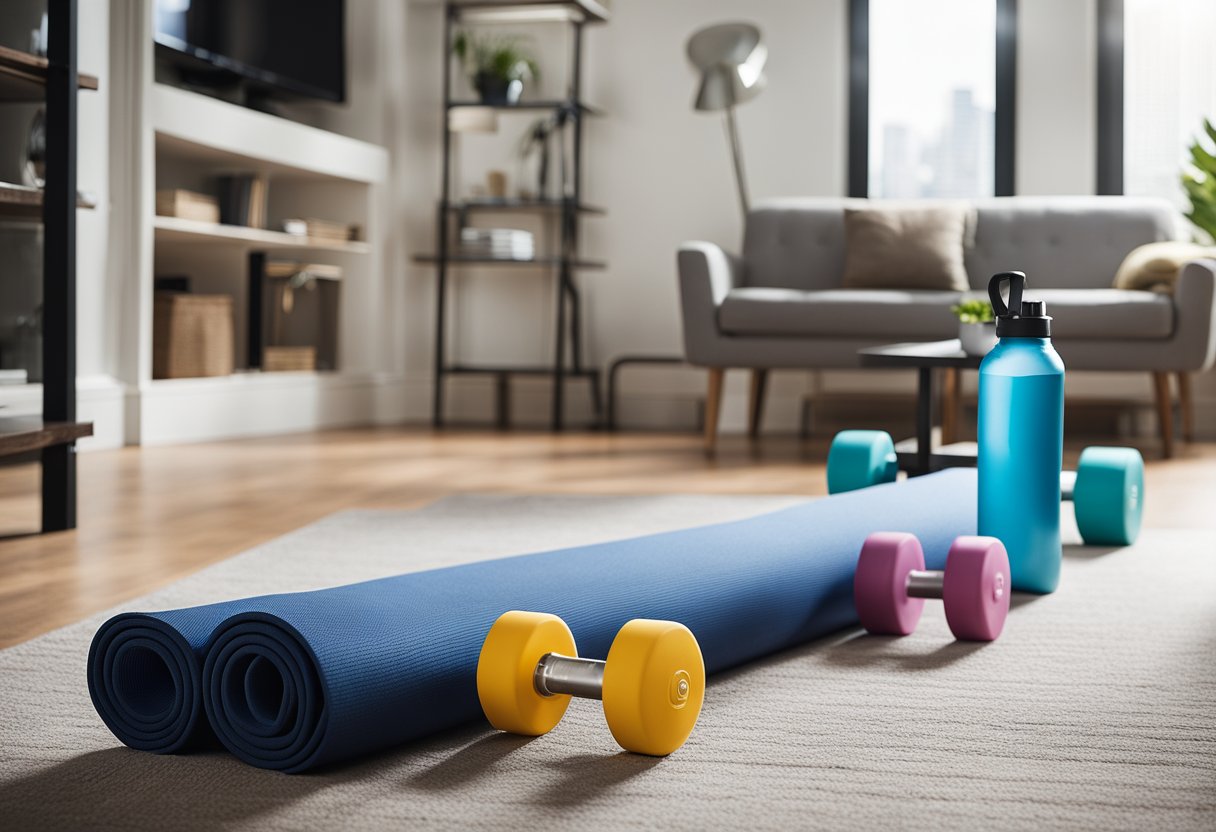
730 58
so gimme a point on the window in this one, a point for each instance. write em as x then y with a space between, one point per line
931 98
1169 87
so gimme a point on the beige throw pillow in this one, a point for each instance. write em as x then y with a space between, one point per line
906 247
1155 266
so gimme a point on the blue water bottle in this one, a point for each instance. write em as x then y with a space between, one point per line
1021 438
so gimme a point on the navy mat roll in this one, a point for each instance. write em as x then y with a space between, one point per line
294 681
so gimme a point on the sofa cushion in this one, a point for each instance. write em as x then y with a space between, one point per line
884 313
1079 314
1106 314
795 243
905 247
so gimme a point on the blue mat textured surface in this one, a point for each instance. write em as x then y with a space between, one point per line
299 680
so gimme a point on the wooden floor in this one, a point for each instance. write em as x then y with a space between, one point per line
152 516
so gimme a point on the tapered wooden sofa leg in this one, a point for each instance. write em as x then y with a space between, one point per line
713 407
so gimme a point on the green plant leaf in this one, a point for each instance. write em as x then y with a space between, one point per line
1203 160
973 311
1200 183
499 55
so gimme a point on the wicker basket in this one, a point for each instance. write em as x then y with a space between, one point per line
289 359
192 335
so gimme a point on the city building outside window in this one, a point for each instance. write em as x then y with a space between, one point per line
932 98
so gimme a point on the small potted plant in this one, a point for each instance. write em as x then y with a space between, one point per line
497 66
976 328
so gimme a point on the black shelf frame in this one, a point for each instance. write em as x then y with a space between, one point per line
572 105
57 431
54 80
59 265
470 206
568 210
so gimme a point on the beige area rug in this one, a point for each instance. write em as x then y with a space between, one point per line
1096 708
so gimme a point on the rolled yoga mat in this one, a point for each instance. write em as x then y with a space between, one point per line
295 681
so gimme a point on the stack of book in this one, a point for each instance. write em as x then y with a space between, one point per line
322 230
187 205
504 243
242 199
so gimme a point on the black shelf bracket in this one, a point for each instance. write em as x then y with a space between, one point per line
59 266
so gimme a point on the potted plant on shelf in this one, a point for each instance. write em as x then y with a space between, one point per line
497 66
976 328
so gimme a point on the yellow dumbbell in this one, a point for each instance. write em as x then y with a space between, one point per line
652 684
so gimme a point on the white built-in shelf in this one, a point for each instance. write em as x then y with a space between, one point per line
178 230
309 172
204 128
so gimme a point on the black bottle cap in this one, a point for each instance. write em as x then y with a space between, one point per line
1018 318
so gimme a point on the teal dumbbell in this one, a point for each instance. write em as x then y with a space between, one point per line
859 459
1107 489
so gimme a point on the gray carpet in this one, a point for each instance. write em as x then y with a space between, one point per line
1096 708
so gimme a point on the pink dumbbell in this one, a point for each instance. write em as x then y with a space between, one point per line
891 584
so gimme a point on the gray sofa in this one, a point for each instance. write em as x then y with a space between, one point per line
780 305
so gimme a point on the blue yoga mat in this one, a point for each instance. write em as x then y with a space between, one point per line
299 680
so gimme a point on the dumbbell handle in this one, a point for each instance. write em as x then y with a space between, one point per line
556 674
925 583
1068 484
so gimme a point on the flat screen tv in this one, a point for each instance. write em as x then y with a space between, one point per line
274 48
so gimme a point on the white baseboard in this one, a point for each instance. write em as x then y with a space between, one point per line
261 404
99 399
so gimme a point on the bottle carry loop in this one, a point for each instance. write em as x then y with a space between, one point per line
1017 282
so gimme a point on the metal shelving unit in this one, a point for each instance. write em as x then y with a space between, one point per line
25 77
568 211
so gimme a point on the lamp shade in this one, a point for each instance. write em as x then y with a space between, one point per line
731 60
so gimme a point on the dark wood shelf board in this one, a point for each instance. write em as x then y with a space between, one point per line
23 76
585 109
584 11
20 434
541 205
24 202
464 260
